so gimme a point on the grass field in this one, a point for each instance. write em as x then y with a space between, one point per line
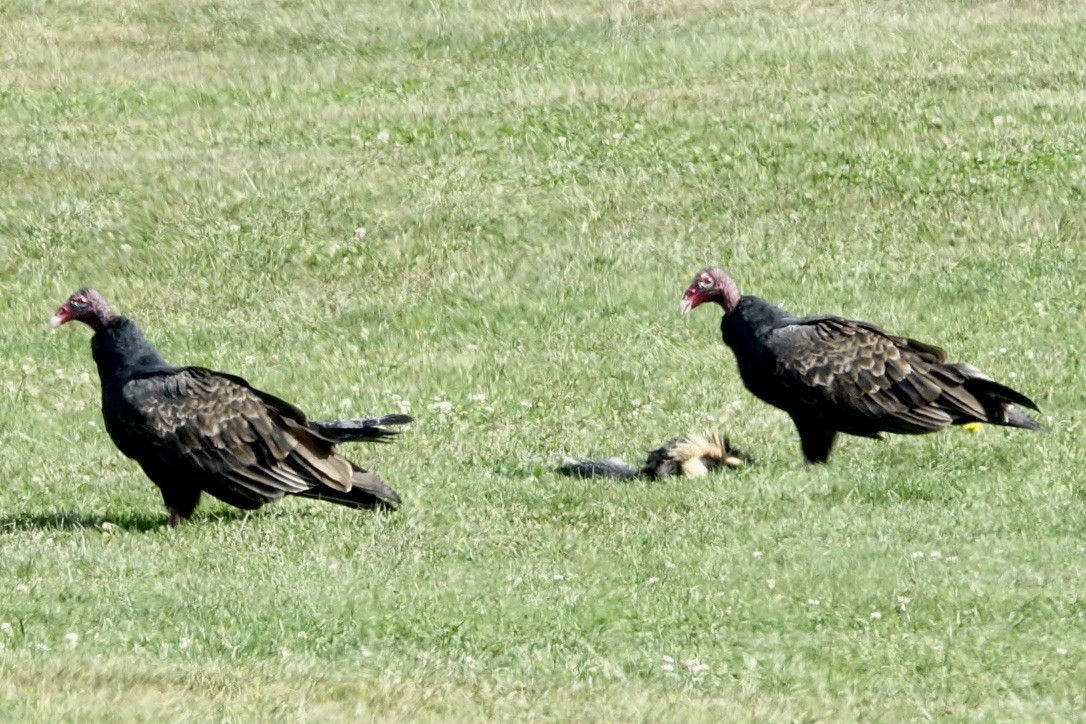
486 215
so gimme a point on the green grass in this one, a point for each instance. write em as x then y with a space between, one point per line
537 184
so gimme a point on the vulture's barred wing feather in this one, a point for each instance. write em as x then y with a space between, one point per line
856 372
217 427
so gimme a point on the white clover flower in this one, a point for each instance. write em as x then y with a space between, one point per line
694 666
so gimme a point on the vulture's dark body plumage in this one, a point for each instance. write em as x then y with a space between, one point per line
193 430
834 375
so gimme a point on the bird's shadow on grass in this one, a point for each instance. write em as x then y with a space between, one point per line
133 522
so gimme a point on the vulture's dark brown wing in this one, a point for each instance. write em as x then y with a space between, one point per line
217 430
867 381
281 406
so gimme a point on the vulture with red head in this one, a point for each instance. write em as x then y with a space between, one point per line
193 430
834 375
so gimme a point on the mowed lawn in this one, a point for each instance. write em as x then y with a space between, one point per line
486 214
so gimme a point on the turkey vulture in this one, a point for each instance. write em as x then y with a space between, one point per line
836 375
689 455
194 430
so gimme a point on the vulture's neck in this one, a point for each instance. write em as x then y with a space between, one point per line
758 315
120 349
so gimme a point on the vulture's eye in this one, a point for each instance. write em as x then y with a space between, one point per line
705 282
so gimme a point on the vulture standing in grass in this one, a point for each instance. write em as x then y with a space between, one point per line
836 375
689 456
193 430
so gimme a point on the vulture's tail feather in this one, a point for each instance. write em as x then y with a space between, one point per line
360 428
367 491
997 400
1013 417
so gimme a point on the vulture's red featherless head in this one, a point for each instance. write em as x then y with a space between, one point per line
711 284
87 306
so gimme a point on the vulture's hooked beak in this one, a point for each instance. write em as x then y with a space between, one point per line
64 314
691 298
